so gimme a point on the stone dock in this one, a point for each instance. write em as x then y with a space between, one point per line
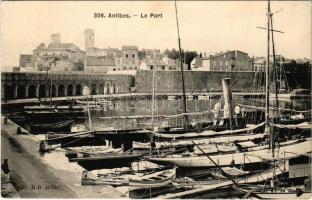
43 176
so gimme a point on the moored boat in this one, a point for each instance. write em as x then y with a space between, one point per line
155 180
87 151
284 152
107 160
135 178
58 126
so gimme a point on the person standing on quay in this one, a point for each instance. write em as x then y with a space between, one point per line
6 170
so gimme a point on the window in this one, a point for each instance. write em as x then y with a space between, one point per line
114 69
152 67
126 55
133 56
163 67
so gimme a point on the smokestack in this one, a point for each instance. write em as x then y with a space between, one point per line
227 95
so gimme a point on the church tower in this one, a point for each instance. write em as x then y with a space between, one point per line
89 38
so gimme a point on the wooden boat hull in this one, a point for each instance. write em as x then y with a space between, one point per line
74 141
106 161
296 121
305 195
237 158
150 184
72 153
59 126
162 179
130 178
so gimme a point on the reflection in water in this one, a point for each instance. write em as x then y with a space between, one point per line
142 107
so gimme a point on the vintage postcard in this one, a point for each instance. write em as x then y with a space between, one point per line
156 99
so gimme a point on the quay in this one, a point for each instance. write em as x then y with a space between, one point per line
122 96
43 176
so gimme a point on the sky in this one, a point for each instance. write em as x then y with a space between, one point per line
205 26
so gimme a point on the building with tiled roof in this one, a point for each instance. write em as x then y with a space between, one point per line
234 60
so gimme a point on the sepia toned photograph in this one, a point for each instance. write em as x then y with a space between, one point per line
156 99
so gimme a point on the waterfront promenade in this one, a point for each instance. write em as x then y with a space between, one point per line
44 176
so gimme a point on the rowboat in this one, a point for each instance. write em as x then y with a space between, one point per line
155 180
87 151
148 178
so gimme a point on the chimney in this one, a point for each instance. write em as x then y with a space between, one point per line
227 95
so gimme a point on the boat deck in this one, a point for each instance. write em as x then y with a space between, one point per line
251 179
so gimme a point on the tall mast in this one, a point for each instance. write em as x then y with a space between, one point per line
153 102
267 83
50 89
181 65
274 62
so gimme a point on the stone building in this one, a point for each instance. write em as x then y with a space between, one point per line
25 62
197 63
148 64
162 63
225 61
57 56
129 59
99 64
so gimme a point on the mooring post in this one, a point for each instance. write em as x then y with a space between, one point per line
18 130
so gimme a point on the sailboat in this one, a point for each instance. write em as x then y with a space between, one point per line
300 148
273 155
